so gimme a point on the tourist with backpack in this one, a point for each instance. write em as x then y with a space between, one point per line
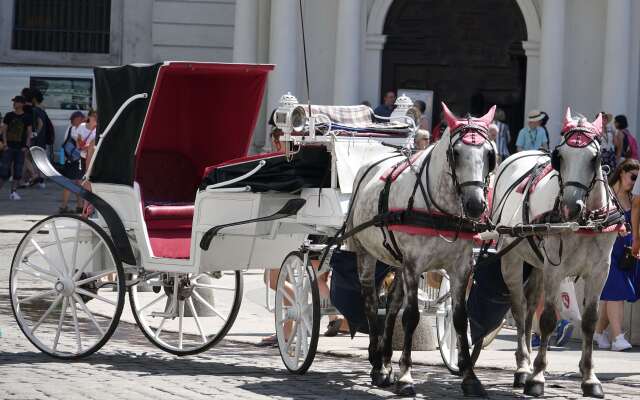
71 160
627 145
43 133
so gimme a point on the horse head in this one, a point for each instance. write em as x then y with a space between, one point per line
577 160
471 156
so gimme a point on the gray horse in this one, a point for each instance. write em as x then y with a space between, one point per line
449 181
572 183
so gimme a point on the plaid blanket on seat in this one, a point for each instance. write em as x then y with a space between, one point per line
356 119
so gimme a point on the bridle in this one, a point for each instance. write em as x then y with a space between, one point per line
461 133
593 140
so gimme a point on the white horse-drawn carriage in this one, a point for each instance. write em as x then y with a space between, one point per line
182 211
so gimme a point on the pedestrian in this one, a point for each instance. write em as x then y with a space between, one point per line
608 146
627 146
424 120
503 138
421 139
41 135
492 132
533 136
622 281
16 133
72 166
388 104
87 138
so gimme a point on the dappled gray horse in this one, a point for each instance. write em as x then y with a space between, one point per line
425 218
531 187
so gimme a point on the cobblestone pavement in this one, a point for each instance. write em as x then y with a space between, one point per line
129 367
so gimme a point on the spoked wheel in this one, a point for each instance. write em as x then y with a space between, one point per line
446 333
297 313
191 319
67 286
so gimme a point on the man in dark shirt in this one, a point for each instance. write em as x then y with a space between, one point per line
16 134
386 108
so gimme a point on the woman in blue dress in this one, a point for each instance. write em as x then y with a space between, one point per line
621 285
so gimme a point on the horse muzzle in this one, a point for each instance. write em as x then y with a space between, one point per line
473 202
572 203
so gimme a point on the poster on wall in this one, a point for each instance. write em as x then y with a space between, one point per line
424 95
64 93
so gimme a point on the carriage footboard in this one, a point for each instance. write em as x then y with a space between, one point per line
116 228
289 209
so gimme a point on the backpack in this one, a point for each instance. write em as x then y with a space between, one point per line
70 148
630 145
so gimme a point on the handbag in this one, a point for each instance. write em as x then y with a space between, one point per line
627 261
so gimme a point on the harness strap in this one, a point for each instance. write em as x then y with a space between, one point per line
383 209
537 170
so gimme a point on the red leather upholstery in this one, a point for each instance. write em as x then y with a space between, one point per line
169 212
170 243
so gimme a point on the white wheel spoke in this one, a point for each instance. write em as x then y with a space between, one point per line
298 342
95 296
74 257
94 251
88 312
289 341
159 330
209 306
180 320
205 286
37 296
306 323
292 278
46 313
96 277
74 313
154 301
41 273
59 245
46 258
65 304
197 319
286 295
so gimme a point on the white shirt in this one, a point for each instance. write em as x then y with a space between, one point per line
86 136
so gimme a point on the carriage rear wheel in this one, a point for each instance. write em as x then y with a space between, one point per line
67 286
446 333
297 313
191 319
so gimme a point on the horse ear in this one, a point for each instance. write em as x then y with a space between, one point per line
452 120
597 124
567 117
487 119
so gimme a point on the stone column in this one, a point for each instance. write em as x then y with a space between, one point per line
245 32
532 52
283 52
346 81
372 68
617 45
552 65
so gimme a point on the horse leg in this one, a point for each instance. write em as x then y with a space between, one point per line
535 385
410 319
591 386
366 273
532 295
393 307
512 273
471 385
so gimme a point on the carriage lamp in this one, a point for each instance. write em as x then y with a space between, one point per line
289 116
404 109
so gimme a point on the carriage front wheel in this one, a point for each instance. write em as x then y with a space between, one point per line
67 286
445 331
186 314
297 312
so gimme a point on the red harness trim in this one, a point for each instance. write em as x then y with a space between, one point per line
395 170
523 185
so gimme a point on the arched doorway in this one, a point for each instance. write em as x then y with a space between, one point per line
469 53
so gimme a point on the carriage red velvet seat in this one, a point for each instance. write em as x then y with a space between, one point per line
200 114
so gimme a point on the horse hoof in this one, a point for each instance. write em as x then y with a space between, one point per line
473 389
592 390
535 389
404 389
381 380
520 379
